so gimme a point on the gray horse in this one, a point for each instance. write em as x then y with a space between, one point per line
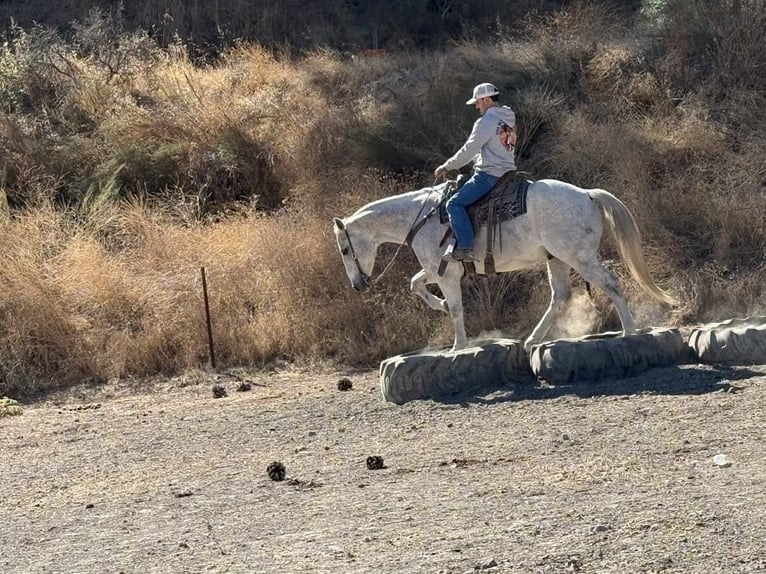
562 228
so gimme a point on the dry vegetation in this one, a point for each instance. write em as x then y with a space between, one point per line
127 166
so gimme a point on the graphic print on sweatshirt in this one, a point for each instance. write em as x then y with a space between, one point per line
506 134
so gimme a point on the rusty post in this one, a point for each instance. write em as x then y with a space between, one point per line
207 317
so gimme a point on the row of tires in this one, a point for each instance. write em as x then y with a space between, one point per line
436 374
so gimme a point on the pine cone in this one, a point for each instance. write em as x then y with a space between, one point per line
219 391
276 471
344 384
375 462
244 387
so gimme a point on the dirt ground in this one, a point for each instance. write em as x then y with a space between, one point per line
613 477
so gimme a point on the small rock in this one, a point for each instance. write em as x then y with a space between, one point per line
721 460
600 528
219 391
244 387
487 564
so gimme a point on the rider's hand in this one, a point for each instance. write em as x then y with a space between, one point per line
440 172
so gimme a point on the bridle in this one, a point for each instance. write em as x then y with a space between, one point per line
362 274
414 228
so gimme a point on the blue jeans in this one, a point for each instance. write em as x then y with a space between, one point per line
480 184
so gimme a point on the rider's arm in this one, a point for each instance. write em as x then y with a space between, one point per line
481 133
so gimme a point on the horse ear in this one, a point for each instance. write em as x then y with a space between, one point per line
338 223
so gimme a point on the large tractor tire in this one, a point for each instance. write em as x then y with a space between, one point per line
441 374
734 341
607 355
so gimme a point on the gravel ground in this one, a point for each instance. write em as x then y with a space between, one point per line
614 477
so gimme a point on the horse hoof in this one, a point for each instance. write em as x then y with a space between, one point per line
528 346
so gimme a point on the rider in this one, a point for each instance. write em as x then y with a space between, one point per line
490 146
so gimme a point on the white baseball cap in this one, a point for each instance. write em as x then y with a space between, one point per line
482 91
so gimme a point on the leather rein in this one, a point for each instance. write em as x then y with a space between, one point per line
416 226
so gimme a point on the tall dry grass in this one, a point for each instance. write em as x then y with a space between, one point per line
117 188
122 297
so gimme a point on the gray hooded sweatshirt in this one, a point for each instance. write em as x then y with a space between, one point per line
488 145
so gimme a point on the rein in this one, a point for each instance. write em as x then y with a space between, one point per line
414 228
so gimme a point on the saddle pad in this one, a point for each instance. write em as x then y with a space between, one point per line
510 201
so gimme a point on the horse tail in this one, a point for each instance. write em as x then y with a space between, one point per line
625 230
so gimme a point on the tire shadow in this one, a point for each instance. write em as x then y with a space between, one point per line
673 380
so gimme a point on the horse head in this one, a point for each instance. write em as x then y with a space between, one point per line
358 254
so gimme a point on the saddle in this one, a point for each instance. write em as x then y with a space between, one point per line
505 201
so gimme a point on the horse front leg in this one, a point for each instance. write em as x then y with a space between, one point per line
418 286
453 296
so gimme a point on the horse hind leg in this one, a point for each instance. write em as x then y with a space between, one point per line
596 274
558 277
418 286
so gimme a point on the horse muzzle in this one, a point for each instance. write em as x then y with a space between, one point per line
361 284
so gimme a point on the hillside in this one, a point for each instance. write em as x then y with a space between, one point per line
208 28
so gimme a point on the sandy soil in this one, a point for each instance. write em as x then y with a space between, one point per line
614 477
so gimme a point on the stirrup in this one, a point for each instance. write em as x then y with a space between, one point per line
463 255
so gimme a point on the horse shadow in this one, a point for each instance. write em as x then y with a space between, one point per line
679 379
